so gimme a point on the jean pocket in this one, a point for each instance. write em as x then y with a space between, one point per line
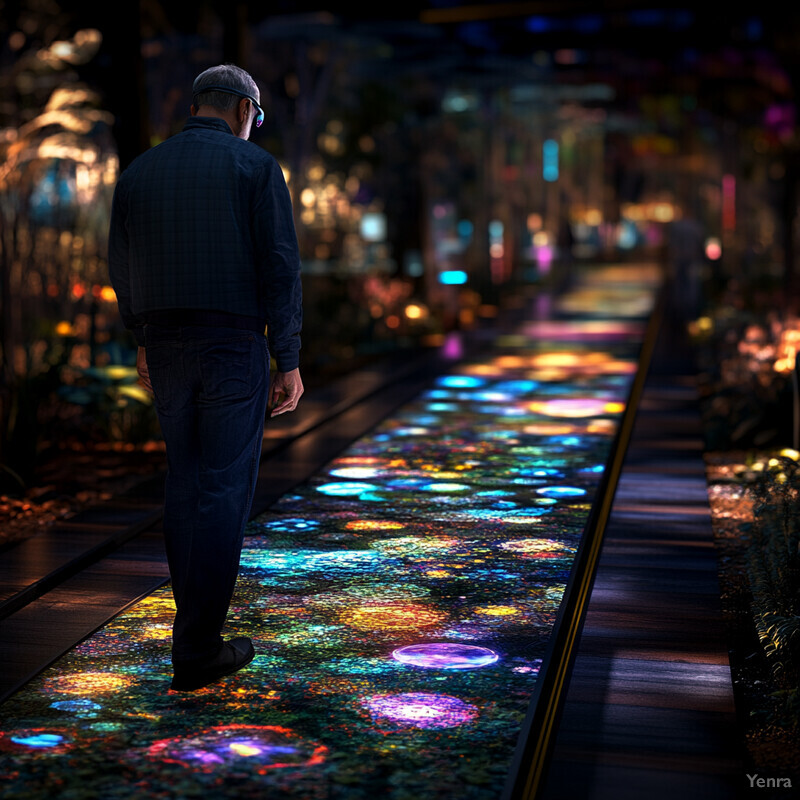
164 369
227 367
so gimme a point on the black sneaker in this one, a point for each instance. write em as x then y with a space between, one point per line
234 655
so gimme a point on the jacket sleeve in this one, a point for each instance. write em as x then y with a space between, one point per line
278 261
119 266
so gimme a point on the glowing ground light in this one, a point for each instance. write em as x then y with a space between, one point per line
265 747
445 655
291 524
460 382
525 516
445 488
392 617
561 491
575 407
80 707
537 547
355 473
388 593
549 429
38 739
421 710
86 683
498 611
346 488
373 525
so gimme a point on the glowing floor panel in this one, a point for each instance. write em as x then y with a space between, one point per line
400 602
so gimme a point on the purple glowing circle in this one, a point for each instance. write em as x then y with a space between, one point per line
441 655
421 710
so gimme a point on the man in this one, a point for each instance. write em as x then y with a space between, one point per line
203 256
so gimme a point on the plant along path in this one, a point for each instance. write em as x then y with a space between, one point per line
400 602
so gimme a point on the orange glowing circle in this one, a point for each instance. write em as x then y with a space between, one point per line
373 525
498 611
549 429
87 683
510 362
558 360
604 426
392 617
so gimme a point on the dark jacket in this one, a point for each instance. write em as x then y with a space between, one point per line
202 231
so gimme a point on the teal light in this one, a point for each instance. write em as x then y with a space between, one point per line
453 277
550 160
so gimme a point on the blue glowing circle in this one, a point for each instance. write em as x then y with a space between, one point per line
597 469
290 524
445 655
346 488
516 387
561 491
460 382
414 430
373 497
439 407
406 483
539 472
39 740
81 706
445 488
523 514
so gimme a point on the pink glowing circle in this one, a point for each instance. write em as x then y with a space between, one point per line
421 710
570 407
445 655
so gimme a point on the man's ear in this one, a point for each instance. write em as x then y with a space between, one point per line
193 110
244 105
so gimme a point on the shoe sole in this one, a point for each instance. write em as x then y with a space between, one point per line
201 680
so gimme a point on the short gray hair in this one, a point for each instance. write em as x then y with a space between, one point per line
228 75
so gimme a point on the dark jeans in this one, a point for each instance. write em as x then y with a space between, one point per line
210 388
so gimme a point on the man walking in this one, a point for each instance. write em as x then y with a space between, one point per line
203 257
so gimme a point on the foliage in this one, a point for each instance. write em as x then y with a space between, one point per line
773 564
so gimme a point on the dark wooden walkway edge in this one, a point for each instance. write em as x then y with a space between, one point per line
649 712
537 737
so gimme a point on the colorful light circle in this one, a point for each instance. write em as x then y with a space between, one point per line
265 747
445 488
570 407
561 491
460 382
346 488
37 739
445 655
86 683
355 473
373 525
538 548
392 617
421 710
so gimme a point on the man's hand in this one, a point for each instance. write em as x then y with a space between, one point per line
284 392
141 368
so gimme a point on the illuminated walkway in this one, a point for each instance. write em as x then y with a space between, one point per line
401 601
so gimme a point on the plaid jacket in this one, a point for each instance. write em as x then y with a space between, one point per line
203 222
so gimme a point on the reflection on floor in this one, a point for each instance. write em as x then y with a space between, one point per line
400 601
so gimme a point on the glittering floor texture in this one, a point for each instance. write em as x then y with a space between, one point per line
400 604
